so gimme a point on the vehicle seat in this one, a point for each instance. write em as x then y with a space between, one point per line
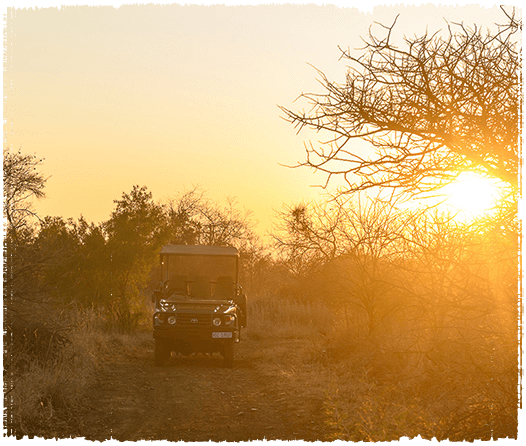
201 287
224 287
177 285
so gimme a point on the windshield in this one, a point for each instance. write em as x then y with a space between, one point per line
199 277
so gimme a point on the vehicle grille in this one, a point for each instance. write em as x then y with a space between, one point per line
189 320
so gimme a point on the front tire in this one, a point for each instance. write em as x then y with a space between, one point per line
161 353
228 354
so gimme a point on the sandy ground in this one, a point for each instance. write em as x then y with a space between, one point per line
265 396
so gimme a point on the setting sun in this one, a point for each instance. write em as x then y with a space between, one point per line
471 195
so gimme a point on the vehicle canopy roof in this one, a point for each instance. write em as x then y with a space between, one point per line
199 250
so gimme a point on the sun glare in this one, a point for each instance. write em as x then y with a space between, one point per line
471 195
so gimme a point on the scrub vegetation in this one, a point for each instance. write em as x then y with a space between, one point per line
404 321
412 315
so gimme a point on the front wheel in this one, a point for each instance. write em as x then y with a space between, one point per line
228 354
161 353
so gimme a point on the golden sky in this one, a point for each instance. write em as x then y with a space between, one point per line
175 96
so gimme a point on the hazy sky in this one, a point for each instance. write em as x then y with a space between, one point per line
175 96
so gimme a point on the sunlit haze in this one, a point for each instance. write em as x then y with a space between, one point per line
262 223
171 97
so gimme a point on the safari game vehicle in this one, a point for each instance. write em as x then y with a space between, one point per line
199 304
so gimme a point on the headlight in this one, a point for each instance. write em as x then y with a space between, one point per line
158 319
229 320
171 320
217 321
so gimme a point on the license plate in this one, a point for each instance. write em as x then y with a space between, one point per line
221 334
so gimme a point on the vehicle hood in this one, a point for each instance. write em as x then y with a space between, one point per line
183 306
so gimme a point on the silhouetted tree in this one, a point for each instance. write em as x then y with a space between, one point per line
22 183
351 249
30 321
461 322
440 104
135 232
195 220
77 266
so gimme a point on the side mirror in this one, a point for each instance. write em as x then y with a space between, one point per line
241 301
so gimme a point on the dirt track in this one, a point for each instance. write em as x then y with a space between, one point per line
196 399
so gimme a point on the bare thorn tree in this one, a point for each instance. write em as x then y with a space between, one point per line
442 103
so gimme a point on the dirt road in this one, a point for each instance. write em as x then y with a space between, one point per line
265 396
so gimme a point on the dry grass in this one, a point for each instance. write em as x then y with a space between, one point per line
379 389
368 390
44 394
459 390
269 317
359 408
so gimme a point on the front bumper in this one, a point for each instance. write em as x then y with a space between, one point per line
197 334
